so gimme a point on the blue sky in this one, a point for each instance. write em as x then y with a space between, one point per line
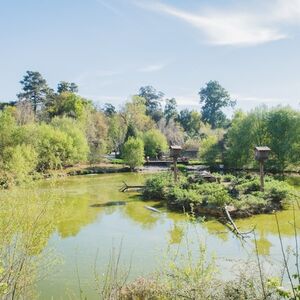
112 47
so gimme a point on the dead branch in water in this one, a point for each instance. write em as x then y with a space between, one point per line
233 226
127 187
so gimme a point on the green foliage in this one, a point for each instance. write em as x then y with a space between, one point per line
170 111
213 194
155 143
80 146
247 186
96 132
116 132
61 144
20 161
68 104
54 147
214 97
153 100
278 191
210 150
250 201
7 128
156 186
278 128
242 192
133 152
65 86
35 90
117 161
183 198
109 110
190 122
283 128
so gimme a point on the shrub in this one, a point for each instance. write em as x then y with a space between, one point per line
214 194
247 186
277 190
250 202
117 161
156 186
20 161
210 150
228 178
134 152
155 143
183 197
54 148
71 127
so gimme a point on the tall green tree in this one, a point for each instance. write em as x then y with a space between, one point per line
67 104
170 111
283 127
96 131
109 109
35 90
134 114
134 152
210 150
214 98
246 132
116 132
153 101
190 120
65 86
155 143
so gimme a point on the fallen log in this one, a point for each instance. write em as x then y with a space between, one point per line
234 228
127 187
152 209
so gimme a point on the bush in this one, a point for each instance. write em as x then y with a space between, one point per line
277 191
228 178
250 202
134 152
214 194
243 192
156 186
245 186
54 148
20 162
80 148
183 197
117 161
210 150
155 143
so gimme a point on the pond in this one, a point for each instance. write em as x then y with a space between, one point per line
90 217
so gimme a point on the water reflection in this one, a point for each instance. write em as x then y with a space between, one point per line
87 212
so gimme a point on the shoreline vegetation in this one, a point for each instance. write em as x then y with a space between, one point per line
240 194
46 130
50 132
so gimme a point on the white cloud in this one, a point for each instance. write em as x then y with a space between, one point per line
257 100
248 25
152 68
287 10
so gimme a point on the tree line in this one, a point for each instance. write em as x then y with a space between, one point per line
48 128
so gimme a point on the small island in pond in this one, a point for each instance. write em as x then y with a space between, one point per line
211 195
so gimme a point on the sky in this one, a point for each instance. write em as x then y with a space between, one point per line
111 48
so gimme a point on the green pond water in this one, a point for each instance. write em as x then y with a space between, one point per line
83 229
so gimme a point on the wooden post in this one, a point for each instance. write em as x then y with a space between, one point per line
175 168
261 155
261 170
175 153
